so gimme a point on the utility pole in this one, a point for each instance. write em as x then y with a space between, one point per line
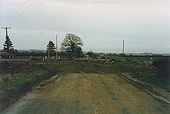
6 28
48 53
123 51
56 49
7 37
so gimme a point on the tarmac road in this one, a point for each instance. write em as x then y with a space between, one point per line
88 94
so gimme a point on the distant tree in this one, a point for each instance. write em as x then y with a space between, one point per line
8 45
72 45
90 54
51 48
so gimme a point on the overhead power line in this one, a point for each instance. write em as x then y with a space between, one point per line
19 11
25 12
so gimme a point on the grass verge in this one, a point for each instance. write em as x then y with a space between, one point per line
12 90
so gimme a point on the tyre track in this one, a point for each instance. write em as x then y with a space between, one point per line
87 94
110 91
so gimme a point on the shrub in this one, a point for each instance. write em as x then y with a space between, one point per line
163 67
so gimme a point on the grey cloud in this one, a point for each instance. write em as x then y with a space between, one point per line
106 25
88 1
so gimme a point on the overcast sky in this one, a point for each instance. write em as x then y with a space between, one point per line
102 24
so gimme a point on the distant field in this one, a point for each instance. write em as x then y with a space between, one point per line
128 58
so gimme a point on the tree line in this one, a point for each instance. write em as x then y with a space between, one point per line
71 47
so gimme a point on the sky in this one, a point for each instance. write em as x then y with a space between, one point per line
101 24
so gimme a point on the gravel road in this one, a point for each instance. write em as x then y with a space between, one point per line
81 93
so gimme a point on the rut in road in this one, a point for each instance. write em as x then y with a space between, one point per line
88 94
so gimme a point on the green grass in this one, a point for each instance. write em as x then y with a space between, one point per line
23 82
152 79
133 59
141 68
11 90
150 76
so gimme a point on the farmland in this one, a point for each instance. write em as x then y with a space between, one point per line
81 86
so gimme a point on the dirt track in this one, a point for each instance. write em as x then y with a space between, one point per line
88 94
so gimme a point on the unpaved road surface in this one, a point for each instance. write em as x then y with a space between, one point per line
88 94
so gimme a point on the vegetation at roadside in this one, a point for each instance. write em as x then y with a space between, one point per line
157 73
11 90
154 70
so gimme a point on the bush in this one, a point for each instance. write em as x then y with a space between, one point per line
163 68
11 90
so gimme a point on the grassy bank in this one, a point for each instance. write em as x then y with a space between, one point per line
12 90
150 74
154 70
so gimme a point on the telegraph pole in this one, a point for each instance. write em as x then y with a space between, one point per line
56 49
6 28
123 51
7 37
48 52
